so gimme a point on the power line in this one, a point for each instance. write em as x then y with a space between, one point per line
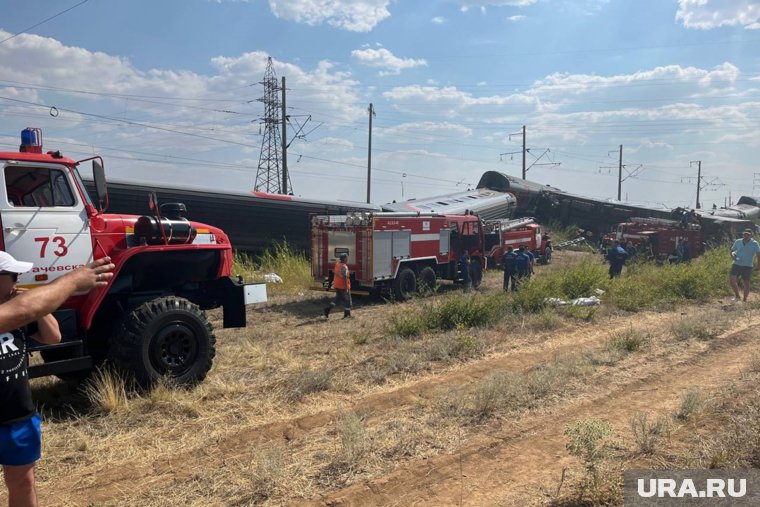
43 21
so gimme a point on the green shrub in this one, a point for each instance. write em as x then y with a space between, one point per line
686 281
692 401
632 294
451 312
408 324
571 282
465 312
292 266
649 285
648 434
532 295
590 440
628 341
580 280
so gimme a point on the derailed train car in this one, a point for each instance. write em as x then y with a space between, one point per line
598 216
254 220
487 203
745 208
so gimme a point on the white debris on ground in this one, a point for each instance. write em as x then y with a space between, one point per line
272 278
589 301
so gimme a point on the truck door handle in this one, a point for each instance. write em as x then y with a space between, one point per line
11 229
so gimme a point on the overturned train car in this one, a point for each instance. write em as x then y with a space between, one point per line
597 216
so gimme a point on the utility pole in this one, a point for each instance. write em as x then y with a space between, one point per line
699 177
523 162
371 111
284 143
620 172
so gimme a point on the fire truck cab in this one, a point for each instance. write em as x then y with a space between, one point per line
501 234
656 238
397 253
149 321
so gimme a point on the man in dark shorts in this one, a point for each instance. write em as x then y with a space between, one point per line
20 436
743 252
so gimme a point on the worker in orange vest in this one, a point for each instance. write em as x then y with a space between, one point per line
342 283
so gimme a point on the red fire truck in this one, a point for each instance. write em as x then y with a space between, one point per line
656 237
397 253
149 321
501 234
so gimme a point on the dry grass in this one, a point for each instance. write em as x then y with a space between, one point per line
264 427
107 391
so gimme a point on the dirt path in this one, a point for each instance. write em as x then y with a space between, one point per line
492 462
509 466
104 484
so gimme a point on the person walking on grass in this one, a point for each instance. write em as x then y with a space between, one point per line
26 314
509 264
523 266
464 267
743 252
616 257
342 283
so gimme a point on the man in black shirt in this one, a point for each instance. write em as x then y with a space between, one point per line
20 437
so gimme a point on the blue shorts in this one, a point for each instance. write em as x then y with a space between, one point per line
743 272
21 442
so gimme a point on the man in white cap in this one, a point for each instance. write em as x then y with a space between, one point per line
743 252
20 435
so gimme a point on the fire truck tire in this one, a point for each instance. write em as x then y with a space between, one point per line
405 284
476 273
427 280
164 337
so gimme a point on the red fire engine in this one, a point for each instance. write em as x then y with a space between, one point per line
397 252
657 237
149 321
501 234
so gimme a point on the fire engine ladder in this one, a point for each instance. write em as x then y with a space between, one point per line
655 221
508 225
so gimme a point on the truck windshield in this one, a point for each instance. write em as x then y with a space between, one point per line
85 193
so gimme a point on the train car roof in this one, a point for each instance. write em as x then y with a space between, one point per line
252 194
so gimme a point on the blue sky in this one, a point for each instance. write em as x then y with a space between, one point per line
166 91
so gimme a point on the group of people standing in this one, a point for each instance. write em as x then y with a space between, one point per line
517 265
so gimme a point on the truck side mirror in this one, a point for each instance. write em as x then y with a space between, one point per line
101 189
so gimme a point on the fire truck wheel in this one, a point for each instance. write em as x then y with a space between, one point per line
165 337
405 284
426 281
476 272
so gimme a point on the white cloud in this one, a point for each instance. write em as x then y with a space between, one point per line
164 98
467 4
709 14
438 20
384 59
351 15
515 18
425 131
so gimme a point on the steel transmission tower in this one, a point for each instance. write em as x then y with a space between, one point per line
268 175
